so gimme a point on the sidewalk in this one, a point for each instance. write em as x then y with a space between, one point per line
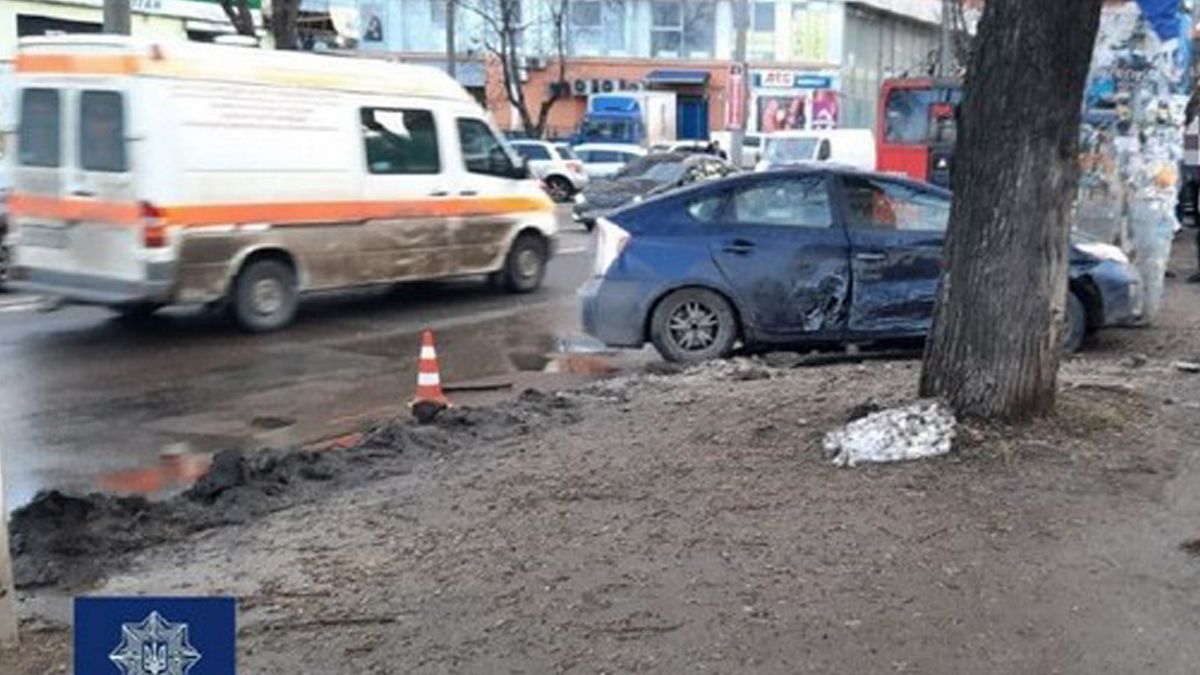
688 523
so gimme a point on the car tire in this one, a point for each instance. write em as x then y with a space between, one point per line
693 325
265 296
525 265
560 189
1075 325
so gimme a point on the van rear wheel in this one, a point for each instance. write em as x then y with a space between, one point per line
525 266
264 296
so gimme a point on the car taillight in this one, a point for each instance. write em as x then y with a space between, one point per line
154 232
610 241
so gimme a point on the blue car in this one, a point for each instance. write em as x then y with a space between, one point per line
813 255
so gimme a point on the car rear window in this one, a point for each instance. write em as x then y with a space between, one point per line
38 139
532 152
102 131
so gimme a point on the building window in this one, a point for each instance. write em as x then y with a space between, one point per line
762 19
598 26
761 40
682 29
437 12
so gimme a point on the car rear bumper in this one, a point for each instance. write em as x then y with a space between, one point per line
614 312
157 286
1121 292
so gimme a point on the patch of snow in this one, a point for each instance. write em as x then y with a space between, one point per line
923 429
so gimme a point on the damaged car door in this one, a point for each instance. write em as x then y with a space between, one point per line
896 232
781 251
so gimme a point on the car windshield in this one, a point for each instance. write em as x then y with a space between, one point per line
607 130
659 169
566 152
783 150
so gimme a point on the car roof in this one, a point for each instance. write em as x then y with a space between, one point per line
529 141
616 147
845 170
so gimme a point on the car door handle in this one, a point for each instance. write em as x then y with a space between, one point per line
870 256
739 247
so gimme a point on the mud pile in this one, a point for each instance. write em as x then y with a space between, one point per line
71 541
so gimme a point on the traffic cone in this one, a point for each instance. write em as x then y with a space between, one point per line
430 399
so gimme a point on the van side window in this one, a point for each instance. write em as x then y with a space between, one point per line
482 151
400 141
38 139
102 132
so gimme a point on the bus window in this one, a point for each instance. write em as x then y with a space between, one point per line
907 116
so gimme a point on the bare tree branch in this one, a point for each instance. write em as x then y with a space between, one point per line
238 12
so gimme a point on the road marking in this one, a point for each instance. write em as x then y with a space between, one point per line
574 250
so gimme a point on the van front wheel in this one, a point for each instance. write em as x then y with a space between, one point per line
264 296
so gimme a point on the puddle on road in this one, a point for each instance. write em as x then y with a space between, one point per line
183 463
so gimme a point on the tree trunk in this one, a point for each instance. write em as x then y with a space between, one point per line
284 29
994 348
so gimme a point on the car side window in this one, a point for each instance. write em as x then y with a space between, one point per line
706 209
482 152
886 205
792 202
400 141
532 152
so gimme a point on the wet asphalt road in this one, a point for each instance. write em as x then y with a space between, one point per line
91 403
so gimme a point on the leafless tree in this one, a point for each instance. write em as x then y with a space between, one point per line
239 15
505 32
283 21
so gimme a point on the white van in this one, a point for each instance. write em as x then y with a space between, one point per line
148 174
848 147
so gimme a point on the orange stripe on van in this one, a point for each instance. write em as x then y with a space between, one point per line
77 64
275 213
55 208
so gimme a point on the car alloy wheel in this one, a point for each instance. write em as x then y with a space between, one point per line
694 327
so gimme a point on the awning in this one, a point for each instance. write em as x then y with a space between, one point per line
673 76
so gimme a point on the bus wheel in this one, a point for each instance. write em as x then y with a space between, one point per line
265 296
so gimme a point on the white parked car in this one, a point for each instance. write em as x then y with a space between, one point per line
558 169
604 160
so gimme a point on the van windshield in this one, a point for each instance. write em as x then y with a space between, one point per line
785 150
38 133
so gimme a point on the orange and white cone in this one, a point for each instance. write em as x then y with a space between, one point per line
430 399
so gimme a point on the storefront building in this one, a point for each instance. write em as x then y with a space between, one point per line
200 20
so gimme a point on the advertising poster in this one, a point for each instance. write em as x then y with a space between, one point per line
782 113
825 110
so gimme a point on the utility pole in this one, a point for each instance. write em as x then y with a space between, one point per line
741 20
116 17
8 592
944 56
451 52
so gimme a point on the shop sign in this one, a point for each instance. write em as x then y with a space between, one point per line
791 79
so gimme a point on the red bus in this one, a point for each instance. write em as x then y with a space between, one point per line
917 127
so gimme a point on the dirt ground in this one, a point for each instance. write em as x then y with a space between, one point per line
689 523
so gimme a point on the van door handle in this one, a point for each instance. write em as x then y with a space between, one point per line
870 256
468 193
739 247
82 193
439 193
